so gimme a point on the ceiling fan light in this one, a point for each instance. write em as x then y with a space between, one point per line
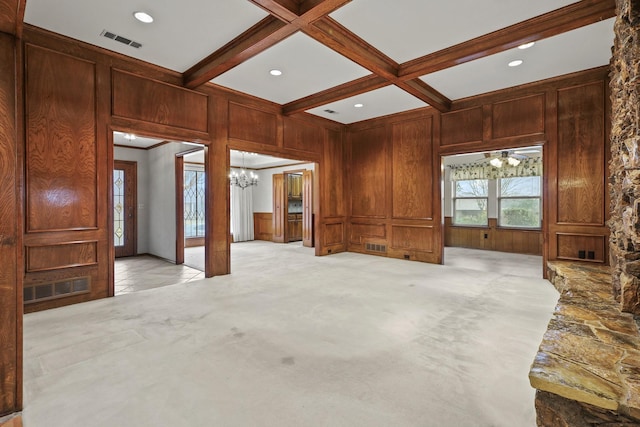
496 162
513 161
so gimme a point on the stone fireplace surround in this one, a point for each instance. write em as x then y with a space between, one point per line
587 370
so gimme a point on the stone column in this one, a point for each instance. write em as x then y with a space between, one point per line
625 157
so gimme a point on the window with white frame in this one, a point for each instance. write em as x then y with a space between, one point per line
470 200
519 202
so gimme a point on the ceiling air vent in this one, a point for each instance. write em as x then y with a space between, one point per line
328 111
123 40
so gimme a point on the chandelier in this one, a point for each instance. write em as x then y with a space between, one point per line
505 157
241 179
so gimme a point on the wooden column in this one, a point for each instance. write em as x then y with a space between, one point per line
218 246
10 238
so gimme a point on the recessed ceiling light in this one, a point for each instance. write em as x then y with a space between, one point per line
526 45
515 63
143 17
275 72
358 105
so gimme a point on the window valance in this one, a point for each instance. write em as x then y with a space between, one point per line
527 167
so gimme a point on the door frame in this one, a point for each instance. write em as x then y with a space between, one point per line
131 227
179 171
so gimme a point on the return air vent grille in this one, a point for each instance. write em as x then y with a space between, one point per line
123 40
62 288
374 247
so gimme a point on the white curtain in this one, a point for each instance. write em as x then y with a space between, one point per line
242 213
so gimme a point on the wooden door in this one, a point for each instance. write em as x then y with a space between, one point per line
307 209
279 209
124 207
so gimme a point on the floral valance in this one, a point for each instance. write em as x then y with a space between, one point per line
527 167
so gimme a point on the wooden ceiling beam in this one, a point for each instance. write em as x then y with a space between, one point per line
285 20
426 93
256 39
285 10
347 90
565 19
336 37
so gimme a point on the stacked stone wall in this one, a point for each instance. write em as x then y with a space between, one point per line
625 157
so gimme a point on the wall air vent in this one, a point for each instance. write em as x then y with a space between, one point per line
58 289
374 247
123 40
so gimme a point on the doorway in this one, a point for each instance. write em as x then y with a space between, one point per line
125 183
492 210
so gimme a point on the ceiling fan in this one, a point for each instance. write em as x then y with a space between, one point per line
505 157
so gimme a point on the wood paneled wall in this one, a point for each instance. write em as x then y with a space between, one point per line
10 234
66 229
578 205
263 226
393 194
493 238
393 190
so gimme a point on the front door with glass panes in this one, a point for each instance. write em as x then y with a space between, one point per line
124 207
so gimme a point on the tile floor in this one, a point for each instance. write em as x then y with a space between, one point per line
143 272
290 339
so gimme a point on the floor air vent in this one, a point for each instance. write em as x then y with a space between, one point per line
63 288
123 40
374 247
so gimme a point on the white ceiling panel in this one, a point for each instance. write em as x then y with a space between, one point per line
408 29
135 141
577 50
380 102
183 32
307 67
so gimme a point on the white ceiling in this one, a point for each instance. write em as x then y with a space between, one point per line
186 32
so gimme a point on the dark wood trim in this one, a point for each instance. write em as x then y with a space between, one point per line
338 38
426 93
285 10
179 174
347 90
256 39
559 21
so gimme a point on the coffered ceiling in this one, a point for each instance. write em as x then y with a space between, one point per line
389 56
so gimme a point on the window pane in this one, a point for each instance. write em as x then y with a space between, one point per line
520 213
194 210
520 187
472 188
470 212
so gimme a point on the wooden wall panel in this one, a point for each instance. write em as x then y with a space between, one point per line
263 226
61 153
334 234
11 16
461 126
518 117
412 172
412 237
581 155
581 247
139 98
63 255
333 194
362 232
368 173
497 239
279 209
250 124
10 236
303 136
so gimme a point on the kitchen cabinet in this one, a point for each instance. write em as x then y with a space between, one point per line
295 227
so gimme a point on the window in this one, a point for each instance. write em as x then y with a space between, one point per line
519 202
193 203
470 201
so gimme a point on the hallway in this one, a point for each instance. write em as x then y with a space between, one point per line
290 339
